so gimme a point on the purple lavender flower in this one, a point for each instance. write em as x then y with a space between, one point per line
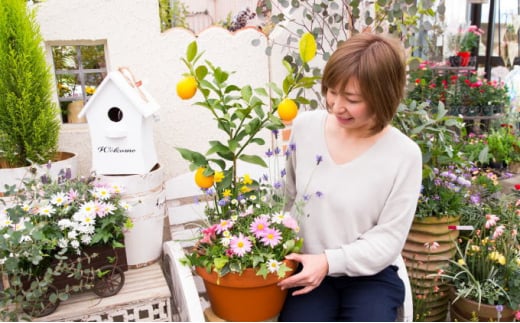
269 152
319 158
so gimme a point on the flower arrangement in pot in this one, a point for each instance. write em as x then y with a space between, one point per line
247 231
486 272
466 43
47 231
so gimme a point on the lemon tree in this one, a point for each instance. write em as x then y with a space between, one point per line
241 112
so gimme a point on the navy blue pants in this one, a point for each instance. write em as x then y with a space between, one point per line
360 299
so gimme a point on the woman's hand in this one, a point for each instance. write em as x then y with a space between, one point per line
315 268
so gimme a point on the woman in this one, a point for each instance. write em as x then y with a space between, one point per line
370 178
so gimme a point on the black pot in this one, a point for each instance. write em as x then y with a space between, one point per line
454 60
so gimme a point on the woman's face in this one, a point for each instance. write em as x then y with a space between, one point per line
349 107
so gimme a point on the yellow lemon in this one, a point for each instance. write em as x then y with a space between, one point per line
187 87
202 180
287 109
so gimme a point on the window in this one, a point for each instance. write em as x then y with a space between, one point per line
79 71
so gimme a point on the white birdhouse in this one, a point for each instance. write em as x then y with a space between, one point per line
119 116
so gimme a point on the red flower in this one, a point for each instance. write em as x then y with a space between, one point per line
517 187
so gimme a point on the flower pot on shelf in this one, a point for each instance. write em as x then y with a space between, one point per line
423 262
466 310
464 58
247 297
62 162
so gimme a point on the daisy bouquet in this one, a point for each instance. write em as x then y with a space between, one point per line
47 221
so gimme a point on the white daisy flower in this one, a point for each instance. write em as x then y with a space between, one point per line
59 199
273 265
101 193
46 210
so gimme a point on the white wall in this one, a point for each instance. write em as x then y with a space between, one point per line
132 33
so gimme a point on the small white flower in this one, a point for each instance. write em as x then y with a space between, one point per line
278 218
125 205
59 199
74 244
63 243
273 265
25 238
101 193
46 210
72 235
88 208
116 188
85 239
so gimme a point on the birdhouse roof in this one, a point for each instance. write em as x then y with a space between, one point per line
132 90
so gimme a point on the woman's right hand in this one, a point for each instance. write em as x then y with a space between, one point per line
315 268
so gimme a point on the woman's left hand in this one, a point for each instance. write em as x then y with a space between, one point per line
315 268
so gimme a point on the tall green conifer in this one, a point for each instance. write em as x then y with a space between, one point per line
29 124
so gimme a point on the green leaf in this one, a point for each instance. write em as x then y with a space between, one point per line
246 92
194 157
218 147
191 51
201 72
253 159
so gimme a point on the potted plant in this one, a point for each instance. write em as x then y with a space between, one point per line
247 232
466 43
485 276
29 122
47 233
436 132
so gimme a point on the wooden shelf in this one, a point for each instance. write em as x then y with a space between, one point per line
145 296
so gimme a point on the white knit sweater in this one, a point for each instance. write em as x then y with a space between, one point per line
363 217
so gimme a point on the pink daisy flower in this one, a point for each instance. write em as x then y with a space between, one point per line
259 226
271 237
291 223
224 225
240 245
491 220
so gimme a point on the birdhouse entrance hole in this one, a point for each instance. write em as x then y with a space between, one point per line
115 114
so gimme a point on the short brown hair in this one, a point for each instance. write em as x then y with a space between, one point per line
378 64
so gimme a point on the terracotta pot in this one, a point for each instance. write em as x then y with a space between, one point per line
423 264
465 310
247 297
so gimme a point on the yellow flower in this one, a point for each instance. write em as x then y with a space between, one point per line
226 193
475 248
218 177
90 90
461 262
497 257
247 180
245 189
